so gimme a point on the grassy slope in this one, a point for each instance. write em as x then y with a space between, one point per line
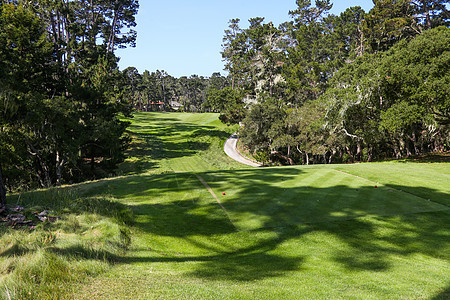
165 143
295 232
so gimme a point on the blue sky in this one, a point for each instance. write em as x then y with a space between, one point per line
185 37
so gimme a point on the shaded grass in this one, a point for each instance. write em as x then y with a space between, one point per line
357 241
177 142
43 263
310 232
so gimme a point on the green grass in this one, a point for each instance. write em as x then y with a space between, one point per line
177 142
357 241
305 232
44 263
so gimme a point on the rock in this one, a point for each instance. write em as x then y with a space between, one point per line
44 213
16 208
16 218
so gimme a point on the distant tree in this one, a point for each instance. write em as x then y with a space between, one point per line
218 82
133 80
228 102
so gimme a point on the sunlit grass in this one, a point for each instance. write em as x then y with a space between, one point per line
43 263
177 142
308 232
305 232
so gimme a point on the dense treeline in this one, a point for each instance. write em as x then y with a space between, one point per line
355 87
159 91
61 91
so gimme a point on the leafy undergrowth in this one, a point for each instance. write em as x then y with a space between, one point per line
90 235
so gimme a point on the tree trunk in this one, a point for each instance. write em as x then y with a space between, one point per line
330 159
2 189
46 182
414 142
59 166
369 154
112 34
358 151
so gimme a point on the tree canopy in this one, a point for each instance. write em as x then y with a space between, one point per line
60 104
357 86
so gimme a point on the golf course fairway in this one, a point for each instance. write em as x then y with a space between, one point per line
356 231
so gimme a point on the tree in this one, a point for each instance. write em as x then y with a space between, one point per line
258 125
58 97
228 102
431 13
234 54
388 22
133 80
120 14
218 82
25 63
394 102
305 69
345 37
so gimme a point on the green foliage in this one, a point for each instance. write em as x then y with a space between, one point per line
394 100
262 156
365 85
58 103
260 124
159 91
388 22
228 102
400 117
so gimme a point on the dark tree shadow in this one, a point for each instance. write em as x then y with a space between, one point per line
353 215
444 295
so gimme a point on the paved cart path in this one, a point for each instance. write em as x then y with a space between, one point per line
230 149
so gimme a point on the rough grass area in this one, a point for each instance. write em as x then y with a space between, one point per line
44 263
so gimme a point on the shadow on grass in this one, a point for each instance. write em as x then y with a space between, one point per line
153 143
373 224
79 251
444 295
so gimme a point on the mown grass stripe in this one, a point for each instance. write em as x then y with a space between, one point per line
215 197
387 186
